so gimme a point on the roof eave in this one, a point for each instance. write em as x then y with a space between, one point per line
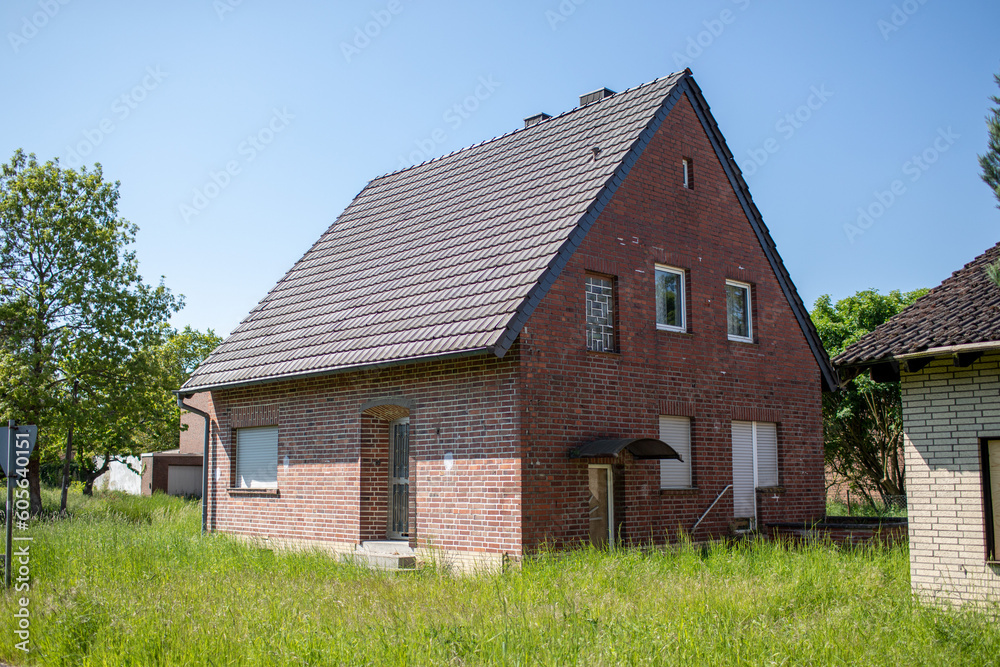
186 390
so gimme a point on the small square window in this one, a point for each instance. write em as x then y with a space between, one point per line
738 315
600 292
669 298
687 164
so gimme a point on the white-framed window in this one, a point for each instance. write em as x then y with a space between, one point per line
600 293
991 491
670 298
739 316
755 463
676 432
256 458
687 165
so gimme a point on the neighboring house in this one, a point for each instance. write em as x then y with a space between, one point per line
945 351
508 347
178 472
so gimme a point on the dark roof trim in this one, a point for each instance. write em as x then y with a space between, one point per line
641 448
576 237
186 392
831 382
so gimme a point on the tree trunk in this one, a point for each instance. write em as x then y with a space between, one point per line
69 454
91 477
65 475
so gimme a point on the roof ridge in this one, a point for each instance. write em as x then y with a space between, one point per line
551 119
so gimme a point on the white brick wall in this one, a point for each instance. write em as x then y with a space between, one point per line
946 410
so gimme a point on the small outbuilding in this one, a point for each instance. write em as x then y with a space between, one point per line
945 352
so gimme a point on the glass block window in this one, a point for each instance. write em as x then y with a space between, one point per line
669 298
600 313
738 311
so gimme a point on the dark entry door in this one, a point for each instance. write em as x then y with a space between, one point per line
399 480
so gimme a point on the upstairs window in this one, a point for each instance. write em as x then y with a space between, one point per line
738 314
600 292
669 298
687 166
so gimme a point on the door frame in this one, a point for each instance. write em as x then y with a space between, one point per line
390 533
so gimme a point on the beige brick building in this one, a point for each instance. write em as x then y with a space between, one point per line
945 350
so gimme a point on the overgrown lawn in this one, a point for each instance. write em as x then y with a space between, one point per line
129 581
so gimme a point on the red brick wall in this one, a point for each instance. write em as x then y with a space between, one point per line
572 395
374 473
465 406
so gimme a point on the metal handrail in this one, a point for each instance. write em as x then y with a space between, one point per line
721 493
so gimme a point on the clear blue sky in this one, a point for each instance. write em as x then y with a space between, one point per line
303 109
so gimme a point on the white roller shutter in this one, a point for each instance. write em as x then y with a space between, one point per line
257 457
767 454
676 432
744 505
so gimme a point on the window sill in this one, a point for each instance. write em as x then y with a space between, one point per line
689 491
770 489
664 327
745 341
613 355
237 491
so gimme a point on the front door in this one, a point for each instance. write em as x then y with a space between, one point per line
602 520
399 479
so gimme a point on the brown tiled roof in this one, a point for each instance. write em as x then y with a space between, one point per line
451 256
963 310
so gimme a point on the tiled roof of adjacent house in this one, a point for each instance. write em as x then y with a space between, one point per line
963 310
451 256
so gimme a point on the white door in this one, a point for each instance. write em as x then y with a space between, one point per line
744 486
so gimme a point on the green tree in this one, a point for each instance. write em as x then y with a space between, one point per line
74 311
132 409
990 161
863 423
990 164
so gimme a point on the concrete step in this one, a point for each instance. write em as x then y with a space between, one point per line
385 555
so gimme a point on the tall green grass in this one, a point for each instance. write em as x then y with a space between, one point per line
129 581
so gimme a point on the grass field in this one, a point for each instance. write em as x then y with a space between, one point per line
129 581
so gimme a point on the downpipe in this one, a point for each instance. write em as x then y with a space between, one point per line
204 460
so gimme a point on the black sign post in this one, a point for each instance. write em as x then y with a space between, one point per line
19 442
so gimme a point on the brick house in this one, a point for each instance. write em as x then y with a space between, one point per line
944 350
512 345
